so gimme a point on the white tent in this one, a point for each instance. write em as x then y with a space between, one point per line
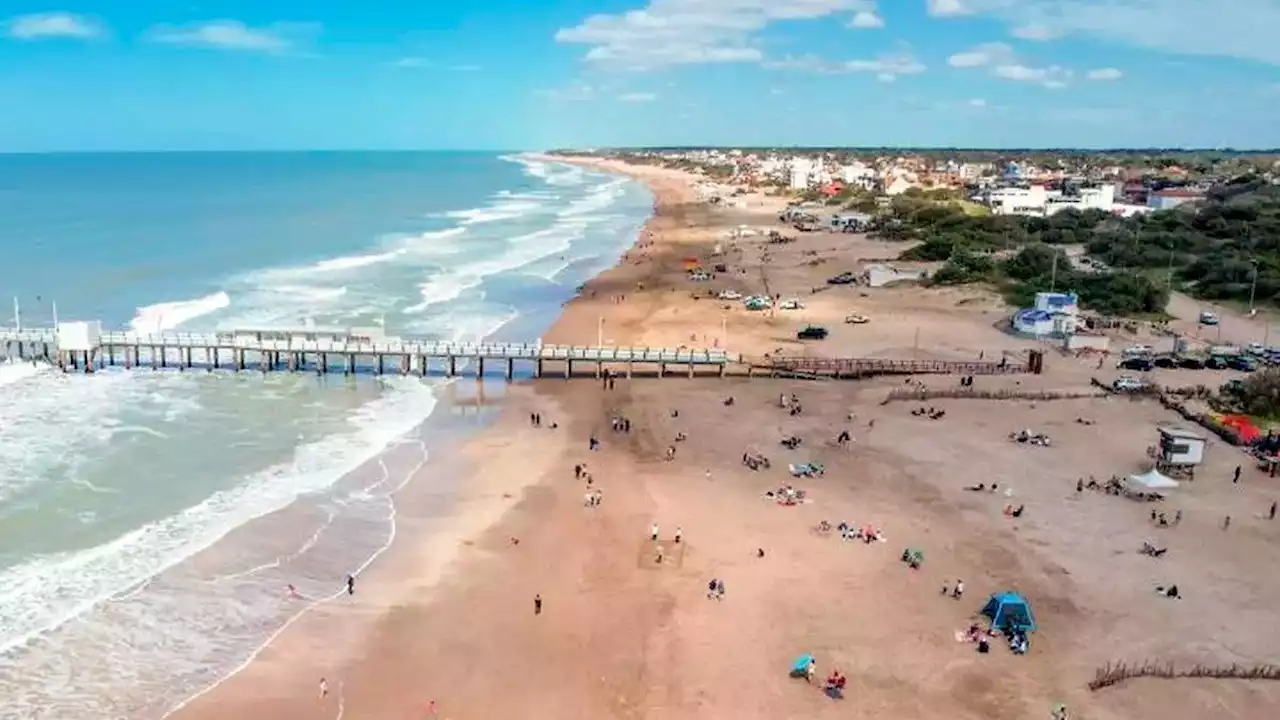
1151 480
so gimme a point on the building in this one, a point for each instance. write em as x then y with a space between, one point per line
1019 200
1054 314
1172 198
799 178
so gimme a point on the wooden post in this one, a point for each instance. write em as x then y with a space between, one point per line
568 368
690 371
662 369
480 367
380 368
351 363
423 368
453 365
511 369
111 355
537 368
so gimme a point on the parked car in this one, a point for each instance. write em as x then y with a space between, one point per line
844 278
729 295
1216 362
1140 364
791 304
812 332
1166 362
1190 362
1208 318
1128 384
1242 363
856 319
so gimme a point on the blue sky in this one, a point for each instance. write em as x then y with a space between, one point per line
515 74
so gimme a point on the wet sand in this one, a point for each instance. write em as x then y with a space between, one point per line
448 616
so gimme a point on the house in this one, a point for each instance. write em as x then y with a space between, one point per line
832 188
1172 198
1054 314
898 185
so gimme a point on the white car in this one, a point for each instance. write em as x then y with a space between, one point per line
729 295
1127 383
791 305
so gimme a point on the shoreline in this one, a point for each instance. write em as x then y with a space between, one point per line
477 507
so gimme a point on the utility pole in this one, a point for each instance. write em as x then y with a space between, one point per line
17 315
1253 287
1169 276
1053 273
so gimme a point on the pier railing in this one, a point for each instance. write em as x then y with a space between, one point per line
865 367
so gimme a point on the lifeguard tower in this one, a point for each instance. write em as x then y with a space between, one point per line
1179 452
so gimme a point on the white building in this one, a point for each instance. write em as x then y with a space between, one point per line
1019 200
855 173
1172 198
1054 314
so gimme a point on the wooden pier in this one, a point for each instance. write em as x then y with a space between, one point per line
326 352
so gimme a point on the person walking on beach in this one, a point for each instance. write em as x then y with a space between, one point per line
324 688
537 604
351 585
1271 515
958 591
1236 477
653 532
679 534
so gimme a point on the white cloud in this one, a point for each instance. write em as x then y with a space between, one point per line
1005 64
576 90
887 68
1239 28
1034 31
1104 74
421 62
982 56
229 35
637 97
40 26
867 20
977 103
948 8
685 32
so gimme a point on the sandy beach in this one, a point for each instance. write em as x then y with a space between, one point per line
445 624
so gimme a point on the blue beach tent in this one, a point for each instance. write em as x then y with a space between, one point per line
1009 610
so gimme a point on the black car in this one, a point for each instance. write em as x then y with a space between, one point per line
844 278
1242 363
1190 363
812 332
1136 363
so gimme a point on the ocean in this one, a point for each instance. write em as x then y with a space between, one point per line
110 484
